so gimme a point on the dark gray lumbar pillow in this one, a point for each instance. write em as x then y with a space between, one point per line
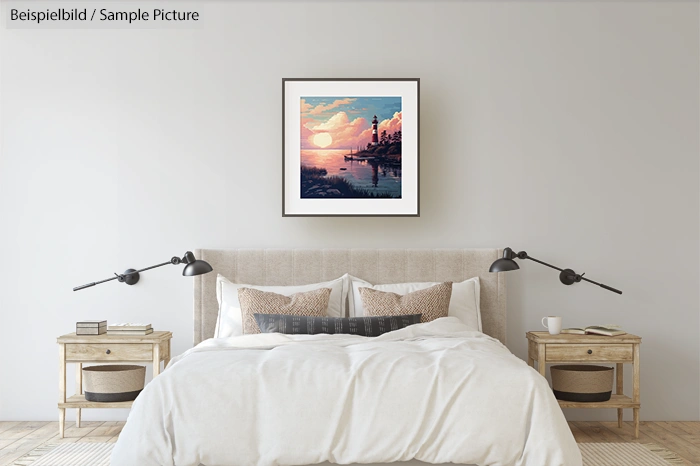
309 325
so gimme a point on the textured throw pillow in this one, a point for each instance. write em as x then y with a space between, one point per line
230 322
309 303
432 303
364 326
464 303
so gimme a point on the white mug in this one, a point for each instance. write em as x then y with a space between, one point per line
553 324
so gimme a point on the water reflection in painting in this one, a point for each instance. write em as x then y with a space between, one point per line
365 176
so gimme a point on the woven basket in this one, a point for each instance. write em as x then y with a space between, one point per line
113 383
582 383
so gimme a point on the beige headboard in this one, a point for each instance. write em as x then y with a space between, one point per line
303 266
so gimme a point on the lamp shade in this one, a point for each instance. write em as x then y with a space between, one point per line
197 267
503 265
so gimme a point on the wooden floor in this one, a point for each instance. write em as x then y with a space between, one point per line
19 438
683 438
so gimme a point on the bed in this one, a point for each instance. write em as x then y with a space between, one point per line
436 393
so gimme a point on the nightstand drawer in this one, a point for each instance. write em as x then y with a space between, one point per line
591 353
109 352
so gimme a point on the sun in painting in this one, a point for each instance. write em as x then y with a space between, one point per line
323 140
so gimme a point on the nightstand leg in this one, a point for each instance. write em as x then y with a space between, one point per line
619 374
78 390
61 387
61 421
635 389
541 358
166 361
156 359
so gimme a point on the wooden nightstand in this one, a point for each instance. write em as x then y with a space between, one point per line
566 348
80 349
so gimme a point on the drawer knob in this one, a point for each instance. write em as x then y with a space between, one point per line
590 351
110 351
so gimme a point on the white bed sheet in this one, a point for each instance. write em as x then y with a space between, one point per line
399 463
434 392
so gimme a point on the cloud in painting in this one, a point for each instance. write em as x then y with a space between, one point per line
306 133
349 125
305 108
337 121
391 125
345 133
320 108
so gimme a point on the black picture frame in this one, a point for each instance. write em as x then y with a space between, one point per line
284 158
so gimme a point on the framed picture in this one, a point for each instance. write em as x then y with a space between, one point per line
350 147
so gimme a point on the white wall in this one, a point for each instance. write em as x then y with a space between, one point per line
566 129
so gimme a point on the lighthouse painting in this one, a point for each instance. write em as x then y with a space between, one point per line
350 147
351 150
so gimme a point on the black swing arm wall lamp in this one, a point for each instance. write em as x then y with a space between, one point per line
566 276
131 276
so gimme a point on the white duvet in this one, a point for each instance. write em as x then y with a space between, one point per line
436 392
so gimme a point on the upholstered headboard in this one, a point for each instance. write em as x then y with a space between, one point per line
303 266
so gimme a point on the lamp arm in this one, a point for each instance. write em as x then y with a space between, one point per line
88 285
154 266
574 276
540 262
609 288
174 261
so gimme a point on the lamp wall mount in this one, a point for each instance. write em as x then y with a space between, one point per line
130 277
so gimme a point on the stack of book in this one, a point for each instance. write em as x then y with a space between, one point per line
129 329
610 330
91 327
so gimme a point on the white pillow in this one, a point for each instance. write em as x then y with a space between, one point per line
464 303
230 322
